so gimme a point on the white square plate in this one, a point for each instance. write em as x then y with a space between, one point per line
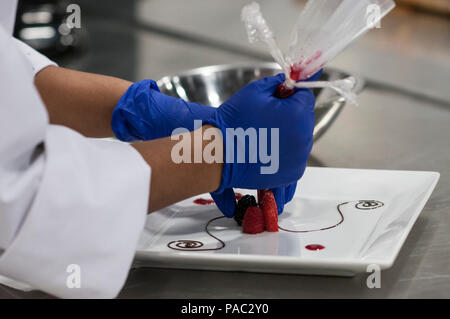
360 217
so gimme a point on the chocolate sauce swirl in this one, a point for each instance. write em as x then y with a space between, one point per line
195 245
368 204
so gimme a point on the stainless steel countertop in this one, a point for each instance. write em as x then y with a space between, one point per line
403 123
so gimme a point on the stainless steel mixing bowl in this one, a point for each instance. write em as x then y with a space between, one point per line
213 85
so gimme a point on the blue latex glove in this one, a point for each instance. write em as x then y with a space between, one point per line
255 106
144 113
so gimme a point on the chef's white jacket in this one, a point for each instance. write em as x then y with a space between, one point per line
71 208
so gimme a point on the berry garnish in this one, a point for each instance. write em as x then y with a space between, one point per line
270 212
243 203
253 222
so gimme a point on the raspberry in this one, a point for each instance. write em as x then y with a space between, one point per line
270 212
243 203
261 194
253 222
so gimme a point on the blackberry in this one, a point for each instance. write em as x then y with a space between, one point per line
242 205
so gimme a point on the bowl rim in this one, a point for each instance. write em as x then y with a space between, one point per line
337 102
359 85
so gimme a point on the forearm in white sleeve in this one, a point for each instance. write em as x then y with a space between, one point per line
65 201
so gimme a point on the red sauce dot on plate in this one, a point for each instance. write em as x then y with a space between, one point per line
315 247
203 201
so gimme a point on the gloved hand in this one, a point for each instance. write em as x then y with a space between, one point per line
144 113
255 106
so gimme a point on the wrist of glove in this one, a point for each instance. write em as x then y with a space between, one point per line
144 113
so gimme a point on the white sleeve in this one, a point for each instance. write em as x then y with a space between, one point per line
36 60
64 199
8 10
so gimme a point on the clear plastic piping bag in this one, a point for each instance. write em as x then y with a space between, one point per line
258 30
324 28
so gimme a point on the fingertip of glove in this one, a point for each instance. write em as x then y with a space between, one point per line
280 208
305 95
290 192
226 202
